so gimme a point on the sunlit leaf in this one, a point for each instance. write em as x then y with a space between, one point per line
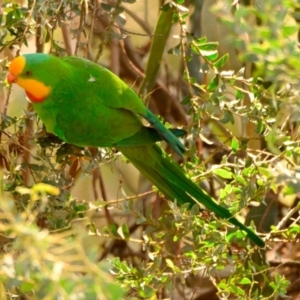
221 61
223 173
213 84
235 144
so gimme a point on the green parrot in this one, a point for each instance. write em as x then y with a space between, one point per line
85 104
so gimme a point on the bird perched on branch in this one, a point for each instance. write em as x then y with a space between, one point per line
85 104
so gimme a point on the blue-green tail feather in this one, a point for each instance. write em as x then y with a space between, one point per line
166 134
171 180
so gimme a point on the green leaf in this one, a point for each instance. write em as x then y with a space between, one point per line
266 172
141 220
245 280
27 287
235 145
171 265
123 231
195 210
200 41
221 62
239 291
210 55
185 100
228 117
175 50
294 228
226 191
212 46
259 126
113 229
209 50
288 190
241 180
223 173
213 84
289 30
146 292
239 95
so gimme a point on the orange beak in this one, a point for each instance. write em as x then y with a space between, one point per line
11 78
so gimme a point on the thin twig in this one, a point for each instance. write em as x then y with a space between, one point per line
80 28
66 37
282 223
130 198
98 176
27 23
5 106
90 35
140 21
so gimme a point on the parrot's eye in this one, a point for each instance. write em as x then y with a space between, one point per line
28 73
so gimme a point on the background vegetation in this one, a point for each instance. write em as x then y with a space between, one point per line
82 224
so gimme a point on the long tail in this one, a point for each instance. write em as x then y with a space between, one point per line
169 178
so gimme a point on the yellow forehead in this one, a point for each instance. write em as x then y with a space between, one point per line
17 65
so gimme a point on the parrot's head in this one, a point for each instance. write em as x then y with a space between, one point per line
34 73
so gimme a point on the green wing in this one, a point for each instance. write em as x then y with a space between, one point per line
115 99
